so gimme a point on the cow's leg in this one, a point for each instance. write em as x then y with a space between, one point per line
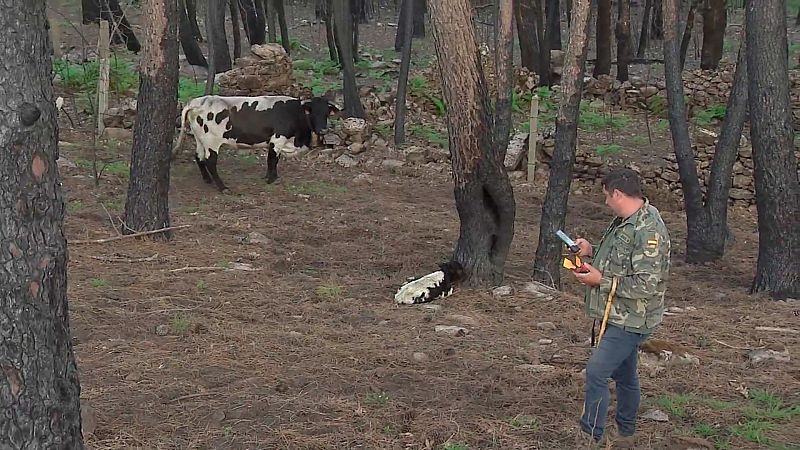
203 170
272 165
211 164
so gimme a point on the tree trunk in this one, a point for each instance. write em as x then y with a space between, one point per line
342 22
280 11
553 28
328 18
94 10
721 178
354 23
715 19
237 36
602 65
191 10
623 32
644 35
526 33
39 381
687 34
147 206
775 165
256 27
657 22
696 223
402 81
215 32
194 55
797 19
543 44
546 266
269 13
483 194
418 23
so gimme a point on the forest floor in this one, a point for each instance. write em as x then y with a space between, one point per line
269 322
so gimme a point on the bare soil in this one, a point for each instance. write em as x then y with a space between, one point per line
180 348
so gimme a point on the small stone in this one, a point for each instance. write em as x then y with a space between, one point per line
462 319
451 330
431 307
759 355
363 178
420 357
545 341
546 326
331 139
392 164
64 162
162 330
295 334
656 415
133 376
536 368
501 291
256 238
346 161
356 148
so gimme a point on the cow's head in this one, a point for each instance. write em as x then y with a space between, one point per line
318 109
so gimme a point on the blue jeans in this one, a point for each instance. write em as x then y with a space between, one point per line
616 357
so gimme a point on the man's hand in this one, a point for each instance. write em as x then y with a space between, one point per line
584 246
590 278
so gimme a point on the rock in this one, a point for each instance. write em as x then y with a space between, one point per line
415 155
451 330
295 334
346 161
354 125
133 376
517 145
501 291
536 368
546 326
266 70
363 178
741 194
544 341
331 139
420 357
162 330
256 238
392 164
759 355
538 290
656 415
356 148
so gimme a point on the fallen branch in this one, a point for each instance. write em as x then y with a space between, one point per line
735 347
116 238
197 269
111 220
125 260
779 330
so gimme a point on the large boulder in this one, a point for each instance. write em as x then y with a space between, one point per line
267 70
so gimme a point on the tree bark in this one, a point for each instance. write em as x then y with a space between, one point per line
553 28
215 32
546 266
715 19
602 65
483 194
526 33
402 81
775 165
543 45
644 35
687 34
194 55
147 205
692 194
344 33
237 36
39 381
191 10
280 11
623 32
256 27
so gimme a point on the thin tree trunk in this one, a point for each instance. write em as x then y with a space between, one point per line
543 45
546 266
775 165
418 23
147 206
256 32
645 32
402 82
354 24
237 36
39 380
727 149
95 10
657 23
715 19
211 7
797 19
503 69
483 194
272 26
526 33
553 28
328 17
343 27
687 34
602 65
191 10
623 32
696 223
193 52
281 13
215 32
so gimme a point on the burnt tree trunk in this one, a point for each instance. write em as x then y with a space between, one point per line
217 39
721 178
623 33
343 21
39 382
696 225
657 21
715 19
402 81
483 194
147 206
237 36
602 64
687 34
191 10
644 35
194 55
256 27
543 45
354 23
280 11
553 27
95 10
775 165
418 22
327 14
526 33
546 266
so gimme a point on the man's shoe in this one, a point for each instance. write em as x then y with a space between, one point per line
585 441
620 442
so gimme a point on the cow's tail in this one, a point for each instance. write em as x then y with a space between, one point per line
176 149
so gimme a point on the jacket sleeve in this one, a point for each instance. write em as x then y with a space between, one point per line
649 262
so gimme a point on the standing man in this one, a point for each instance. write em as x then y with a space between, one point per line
630 267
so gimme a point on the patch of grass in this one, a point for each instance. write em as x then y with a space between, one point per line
201 285
330 291
454 446
662 125
83 77
607 149
378 399
75 205
385 131
315 187
431 135
718 405
675 404
98 282
771 407
709 115
592 120
119 168
639 140
525 422
180 324
189 88
753 431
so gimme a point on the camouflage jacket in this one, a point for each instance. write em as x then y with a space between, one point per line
636 251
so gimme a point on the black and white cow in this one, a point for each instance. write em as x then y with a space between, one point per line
430 287
279 123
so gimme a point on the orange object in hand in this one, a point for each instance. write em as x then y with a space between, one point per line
577 265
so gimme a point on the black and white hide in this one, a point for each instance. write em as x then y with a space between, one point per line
430 287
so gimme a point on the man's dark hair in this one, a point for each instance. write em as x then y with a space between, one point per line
624 180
